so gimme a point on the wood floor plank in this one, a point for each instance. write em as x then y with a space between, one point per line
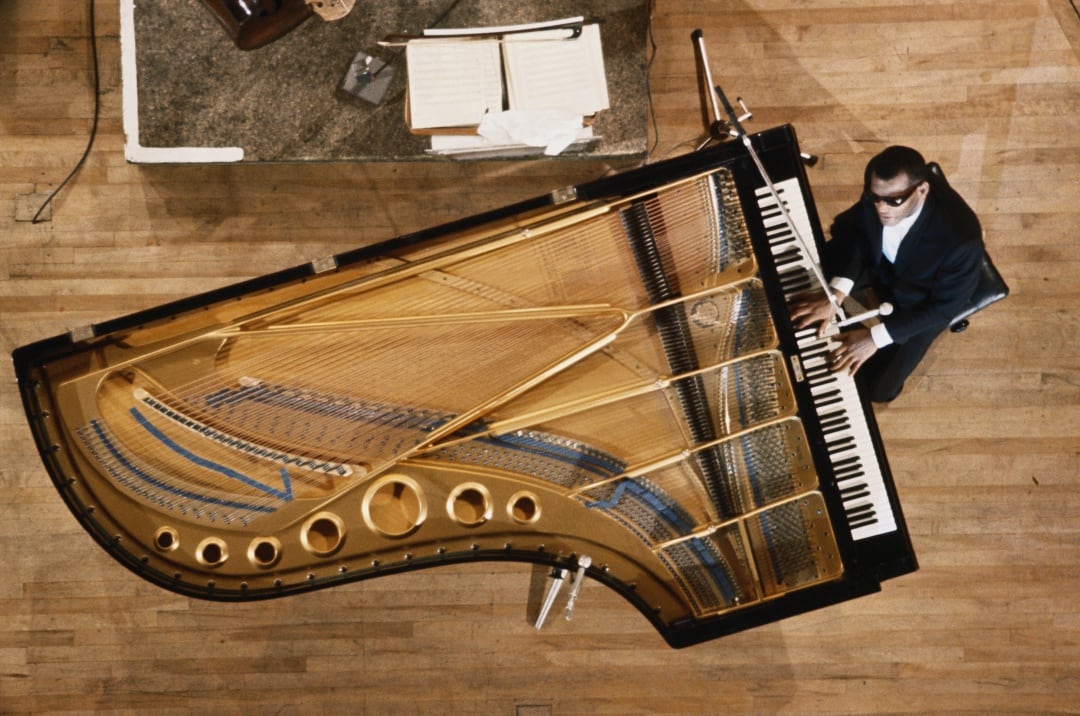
984 443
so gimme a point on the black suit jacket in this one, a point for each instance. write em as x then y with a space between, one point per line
936 269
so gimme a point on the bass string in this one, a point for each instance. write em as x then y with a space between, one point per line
386 370
148 468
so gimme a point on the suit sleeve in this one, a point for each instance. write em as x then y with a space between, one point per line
954 282
845 254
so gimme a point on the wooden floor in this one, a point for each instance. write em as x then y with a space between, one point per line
984 443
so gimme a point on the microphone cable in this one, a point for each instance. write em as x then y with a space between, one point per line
93 127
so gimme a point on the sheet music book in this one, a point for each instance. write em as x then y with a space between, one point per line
455 80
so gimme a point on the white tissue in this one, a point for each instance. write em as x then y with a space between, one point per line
552 129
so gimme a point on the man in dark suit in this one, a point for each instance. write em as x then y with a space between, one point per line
915 242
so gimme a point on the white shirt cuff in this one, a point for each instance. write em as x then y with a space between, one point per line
843 285
880 335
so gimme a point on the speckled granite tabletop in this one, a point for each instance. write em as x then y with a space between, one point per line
284 103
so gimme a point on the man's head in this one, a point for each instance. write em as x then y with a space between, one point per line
896 184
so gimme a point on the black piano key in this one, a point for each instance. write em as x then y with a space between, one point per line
850 473
855 492
793 275
859 510
840 444
795 285
832 426
835 418
861 521
832 398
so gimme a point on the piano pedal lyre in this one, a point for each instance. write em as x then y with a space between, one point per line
558 577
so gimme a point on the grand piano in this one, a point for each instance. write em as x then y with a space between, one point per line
602 379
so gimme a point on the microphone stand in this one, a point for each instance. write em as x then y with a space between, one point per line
733 127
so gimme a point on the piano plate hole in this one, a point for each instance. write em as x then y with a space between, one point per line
212 552
264 552
323 534
394 506
524 508
470 504
166 539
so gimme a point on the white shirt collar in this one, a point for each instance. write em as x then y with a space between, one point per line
891 236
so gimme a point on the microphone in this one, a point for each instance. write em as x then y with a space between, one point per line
885 309
583 563
557 576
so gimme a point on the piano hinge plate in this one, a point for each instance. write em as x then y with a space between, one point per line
328 263
563 195
82 333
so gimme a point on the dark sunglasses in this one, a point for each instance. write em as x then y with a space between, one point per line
894 200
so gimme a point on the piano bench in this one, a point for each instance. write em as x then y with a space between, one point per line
991 289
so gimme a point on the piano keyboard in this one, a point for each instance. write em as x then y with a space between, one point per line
836 400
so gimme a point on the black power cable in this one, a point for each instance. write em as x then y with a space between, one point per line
93 127
648 77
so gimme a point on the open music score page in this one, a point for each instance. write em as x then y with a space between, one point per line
455 80
546 71
453 83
